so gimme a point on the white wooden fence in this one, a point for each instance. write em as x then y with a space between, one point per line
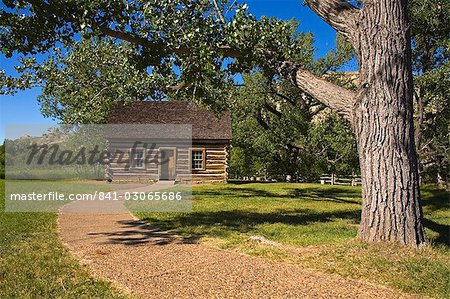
335 180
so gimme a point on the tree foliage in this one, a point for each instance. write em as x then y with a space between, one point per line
185 56
276 135
185 42
83 85
190 50
267 129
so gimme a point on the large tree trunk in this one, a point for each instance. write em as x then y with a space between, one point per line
382 115
383 122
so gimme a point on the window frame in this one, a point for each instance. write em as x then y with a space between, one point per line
133 158
203 160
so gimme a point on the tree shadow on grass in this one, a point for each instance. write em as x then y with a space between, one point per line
332 194
222 222
442 230
199 224
436 199
215 223
235 193
242 182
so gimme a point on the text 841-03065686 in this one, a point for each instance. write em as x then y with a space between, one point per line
157 195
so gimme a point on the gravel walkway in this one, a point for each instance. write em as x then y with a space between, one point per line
151 263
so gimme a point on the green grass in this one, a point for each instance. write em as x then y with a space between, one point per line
316 227
293 214
34 263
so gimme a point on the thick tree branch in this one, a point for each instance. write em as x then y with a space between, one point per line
273 110
319 108
156 45
288 99
176 88
339 99
339 14
129 37
262 122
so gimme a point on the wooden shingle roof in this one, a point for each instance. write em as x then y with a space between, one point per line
205 124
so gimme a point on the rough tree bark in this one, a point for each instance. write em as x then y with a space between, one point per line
381 113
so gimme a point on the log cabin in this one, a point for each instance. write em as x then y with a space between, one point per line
204 159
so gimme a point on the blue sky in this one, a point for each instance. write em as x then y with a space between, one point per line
22 108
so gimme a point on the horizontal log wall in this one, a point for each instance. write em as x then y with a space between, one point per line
216 164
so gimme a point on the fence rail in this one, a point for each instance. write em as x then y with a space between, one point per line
344 180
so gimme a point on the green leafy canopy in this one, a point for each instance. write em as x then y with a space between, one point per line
184 42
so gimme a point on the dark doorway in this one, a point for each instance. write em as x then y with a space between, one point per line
167 164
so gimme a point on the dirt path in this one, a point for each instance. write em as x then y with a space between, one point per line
155 264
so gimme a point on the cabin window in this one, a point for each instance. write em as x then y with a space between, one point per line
137 158
198 159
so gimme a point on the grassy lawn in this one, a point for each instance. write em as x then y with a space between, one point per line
34 263
315 226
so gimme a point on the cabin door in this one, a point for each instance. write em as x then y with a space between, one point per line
167 164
